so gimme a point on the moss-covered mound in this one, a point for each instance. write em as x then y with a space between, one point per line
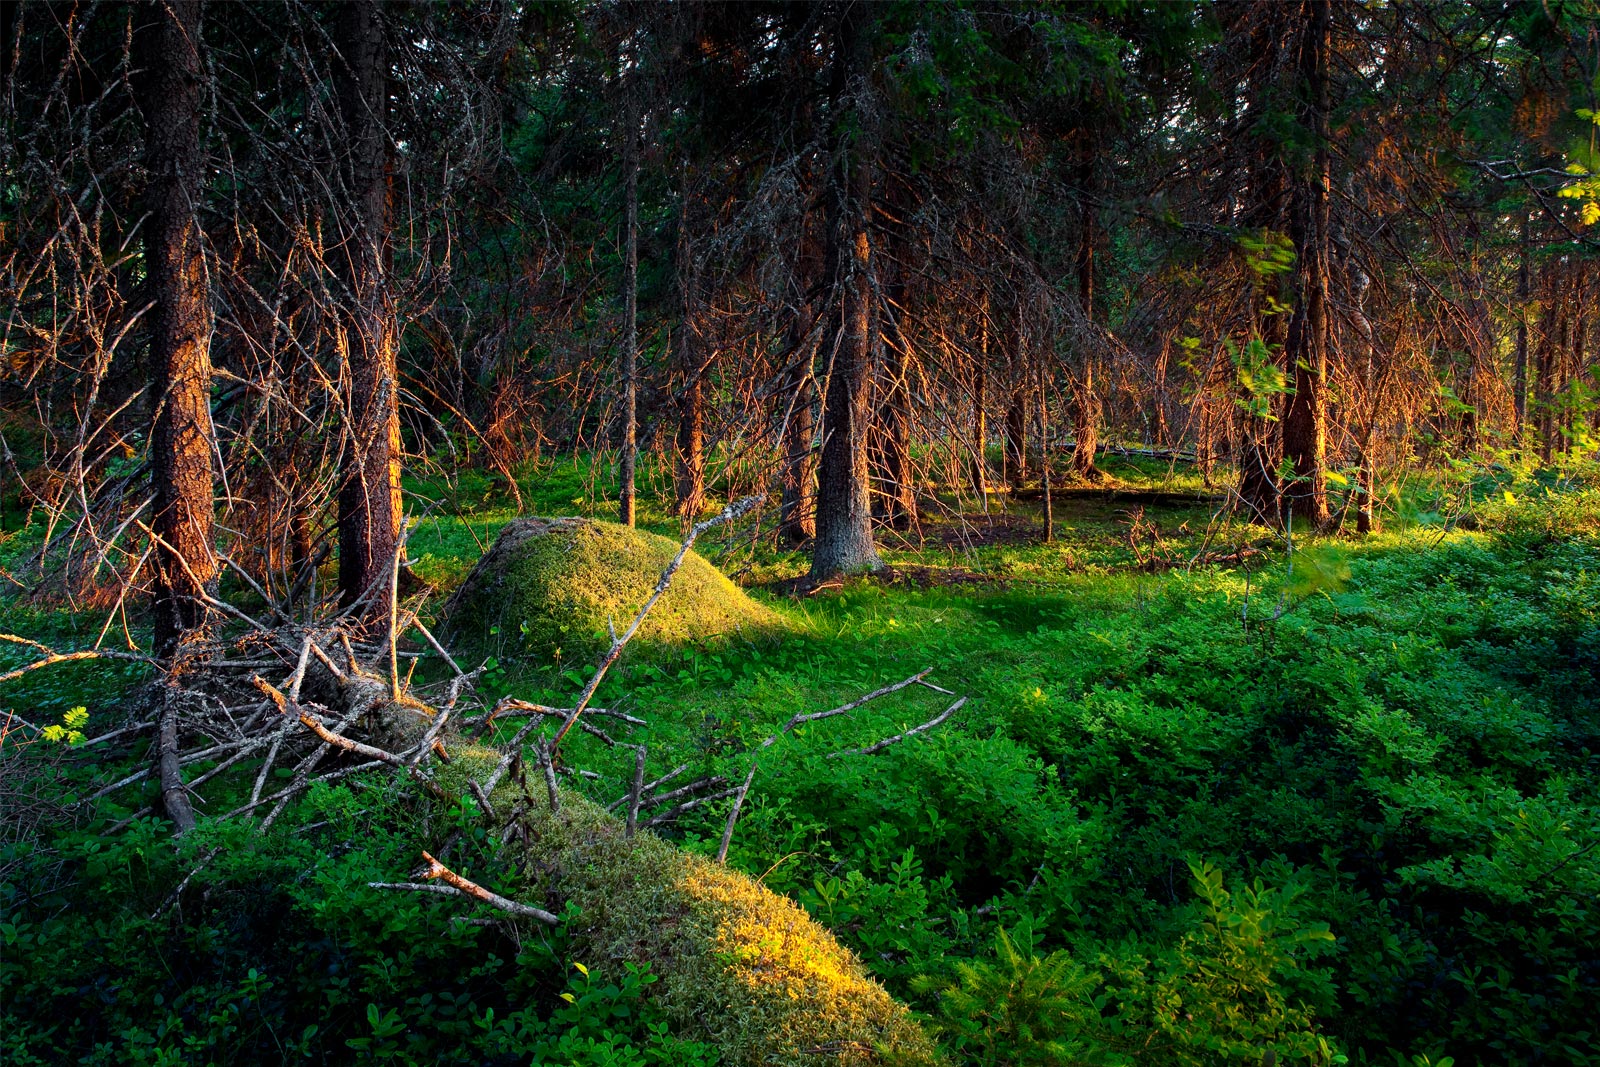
549 584
740 966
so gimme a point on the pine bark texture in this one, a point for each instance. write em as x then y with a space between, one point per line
689 475
843 542
630 316
181 437
369 498
1305 423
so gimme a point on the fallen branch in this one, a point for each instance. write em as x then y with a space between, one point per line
688 805
49 656
802 719
457 886
512 708
174 797
897 738
733 815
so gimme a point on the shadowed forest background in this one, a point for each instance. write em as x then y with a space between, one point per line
619 533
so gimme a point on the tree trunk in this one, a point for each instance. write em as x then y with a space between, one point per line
690 470
630 313
797 517
369 499
1085 399
1544 385
843 541
1305 424
181 436
894 499
980 418
1049 516
1519 396
797 440
1016 443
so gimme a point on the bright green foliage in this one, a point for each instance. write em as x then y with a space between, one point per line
1391 736
281 954
1019 1010
1227 992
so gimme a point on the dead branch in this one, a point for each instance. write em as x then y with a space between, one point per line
174 797
801 719
637 792
688 805
455 885
897 738
733 815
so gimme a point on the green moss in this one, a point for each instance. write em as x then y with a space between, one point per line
547 587
740 966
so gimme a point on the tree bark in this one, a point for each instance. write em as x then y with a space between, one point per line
843 542
690 469
1085 398
630 313
1016 443
1544 385
894 495
796 403
1519 389
1305 424
181 435
369 498
980 418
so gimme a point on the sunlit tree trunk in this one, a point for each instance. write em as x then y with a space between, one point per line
181 437
1015 452
1305 423
980 401
894 495
1544 384
630 312
1519 388
843 542
690 470
1085 396
369 499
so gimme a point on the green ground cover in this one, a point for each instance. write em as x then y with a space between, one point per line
1334 802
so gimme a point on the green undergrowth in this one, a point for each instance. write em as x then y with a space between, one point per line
1333 804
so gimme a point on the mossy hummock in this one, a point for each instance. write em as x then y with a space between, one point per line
547 588
740 966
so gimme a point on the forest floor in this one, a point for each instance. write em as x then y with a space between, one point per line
1189 749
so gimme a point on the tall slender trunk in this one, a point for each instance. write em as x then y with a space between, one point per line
181 436
369 499
1305 429
895 492
1574 368
980 400
797 517
844 541
1086 398
1016 442
1520 381
690 469
630 311
796 407
1544 385
1049 515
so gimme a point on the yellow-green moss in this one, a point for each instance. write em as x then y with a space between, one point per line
552 584
740 966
